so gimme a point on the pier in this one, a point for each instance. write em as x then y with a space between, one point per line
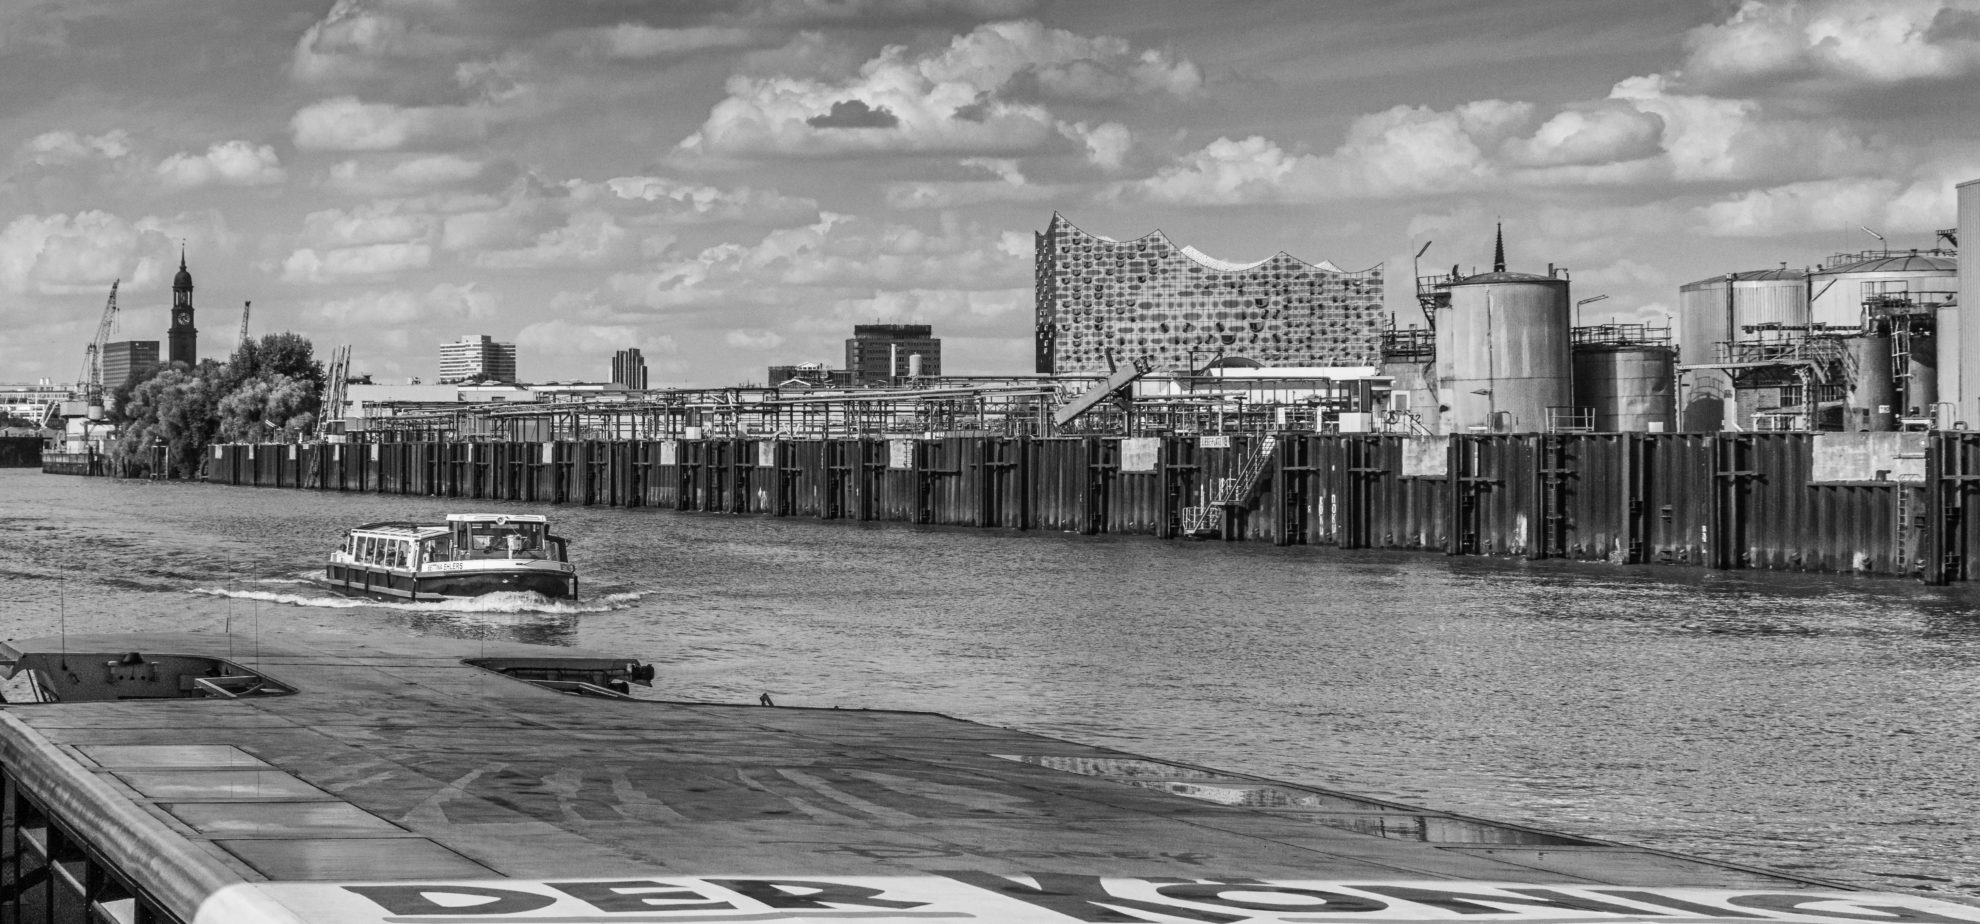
1894 504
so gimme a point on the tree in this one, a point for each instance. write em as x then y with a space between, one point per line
174 408
266 404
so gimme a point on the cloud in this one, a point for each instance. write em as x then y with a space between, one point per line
226 163
312 266
62 147
345 123
757 340
983 94
404 175
401 307
1107 144
377 223
1834 44
853 113
590 238
562 337
630 41
1922 202
358 39
1607 132
815 11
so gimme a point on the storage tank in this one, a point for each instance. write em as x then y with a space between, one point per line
1873 395
1631 388
1839 289
1724 309
1508 339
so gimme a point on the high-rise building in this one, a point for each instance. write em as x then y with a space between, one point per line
475 356
124 358
878 352
183 336
629 369
1179 308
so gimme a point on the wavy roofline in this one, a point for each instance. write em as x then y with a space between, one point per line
1190 253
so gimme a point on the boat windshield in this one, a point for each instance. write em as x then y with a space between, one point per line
500 539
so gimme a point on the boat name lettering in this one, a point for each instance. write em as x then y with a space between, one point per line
1047 897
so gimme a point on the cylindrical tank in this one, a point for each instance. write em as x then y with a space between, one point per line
1631 388
1950 365
1838 290
1509 344
1966 356
1871 398
1736 307
914 365
1921 382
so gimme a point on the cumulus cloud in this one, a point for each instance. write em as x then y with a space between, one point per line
816 11
854 113
758 340
346 123
61 147
984 93
358 38
404 175
589 238
227 163
399 307
377 223
310 265
1919 203
1831 44
631 41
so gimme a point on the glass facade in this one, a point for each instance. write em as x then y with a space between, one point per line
1148 297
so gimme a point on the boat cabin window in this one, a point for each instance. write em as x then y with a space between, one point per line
495 538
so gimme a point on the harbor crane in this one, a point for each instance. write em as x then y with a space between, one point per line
90 383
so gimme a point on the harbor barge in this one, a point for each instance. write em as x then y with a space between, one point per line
196 780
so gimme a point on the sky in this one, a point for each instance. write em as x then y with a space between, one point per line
732 185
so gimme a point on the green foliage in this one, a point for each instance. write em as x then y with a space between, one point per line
268 390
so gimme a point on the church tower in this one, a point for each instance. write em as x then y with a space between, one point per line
184 338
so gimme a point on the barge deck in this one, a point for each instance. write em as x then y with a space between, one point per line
430 780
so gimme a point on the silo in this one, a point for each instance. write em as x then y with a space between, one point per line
1838 290
1508 339
1630 387
1734 308
1965 395
1873 393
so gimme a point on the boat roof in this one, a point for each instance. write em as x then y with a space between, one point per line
496 518
402 529
400 783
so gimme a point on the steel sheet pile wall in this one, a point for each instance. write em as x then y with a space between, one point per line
1723 500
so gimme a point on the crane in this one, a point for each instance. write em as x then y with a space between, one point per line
333 400
244 316
90 383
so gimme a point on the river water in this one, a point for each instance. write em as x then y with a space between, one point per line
1823 725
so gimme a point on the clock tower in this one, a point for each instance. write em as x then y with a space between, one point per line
184 338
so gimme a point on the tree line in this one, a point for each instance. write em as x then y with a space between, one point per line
270 390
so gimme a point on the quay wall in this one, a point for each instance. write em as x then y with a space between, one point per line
1869 503
20 451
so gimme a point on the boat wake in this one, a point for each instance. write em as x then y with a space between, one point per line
501 602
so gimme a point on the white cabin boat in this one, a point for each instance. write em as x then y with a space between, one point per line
468 555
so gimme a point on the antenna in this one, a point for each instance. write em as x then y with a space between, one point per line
1879 237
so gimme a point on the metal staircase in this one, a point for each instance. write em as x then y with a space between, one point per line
1233 492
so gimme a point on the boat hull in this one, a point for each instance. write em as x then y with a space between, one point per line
396 584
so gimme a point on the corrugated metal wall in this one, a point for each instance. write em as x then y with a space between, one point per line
1726 500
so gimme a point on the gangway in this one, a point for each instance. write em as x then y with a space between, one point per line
1205 521
1115 381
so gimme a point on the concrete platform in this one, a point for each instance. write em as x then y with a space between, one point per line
402 784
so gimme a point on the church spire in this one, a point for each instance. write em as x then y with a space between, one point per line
1499 250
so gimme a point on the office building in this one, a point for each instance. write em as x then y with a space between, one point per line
1147 297
476 357
879 352
125 358
629 369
